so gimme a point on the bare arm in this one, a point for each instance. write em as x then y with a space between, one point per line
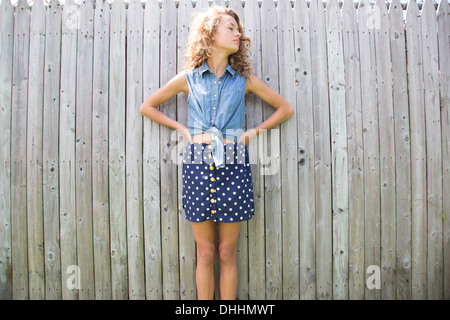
283 109
170 89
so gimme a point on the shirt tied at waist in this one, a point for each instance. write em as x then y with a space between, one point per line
217 147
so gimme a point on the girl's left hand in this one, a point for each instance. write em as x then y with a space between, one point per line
247 136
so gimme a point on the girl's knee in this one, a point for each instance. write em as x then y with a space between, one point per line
206 254
227 253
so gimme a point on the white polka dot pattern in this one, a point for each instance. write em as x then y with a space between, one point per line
217 194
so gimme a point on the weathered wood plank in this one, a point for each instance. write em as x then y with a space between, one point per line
67 164
433 147
387 152
338 126
402 151
305 146
133 143
116 128
355 156
443 20
83 149
169 199
418 152
6 74
367 25
271 157
35 212
100 185
288 152
151 156
322 156
19 106
50 152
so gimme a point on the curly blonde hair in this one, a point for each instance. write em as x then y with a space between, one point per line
199 44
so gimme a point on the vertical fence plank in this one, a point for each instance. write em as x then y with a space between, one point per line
387 150
100 204
186 241
67 164
418 152
402 151
169 213
6 64
366 20
322 149
151 163
35 218
433 147
336 87
50 152
288 152
83 150
19 108
135 235
443 20
305 145
271 154
116 126
256 247
356 274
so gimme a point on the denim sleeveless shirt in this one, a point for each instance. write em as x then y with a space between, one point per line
216 106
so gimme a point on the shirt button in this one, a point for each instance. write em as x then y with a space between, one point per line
212 200
213 211
212 190
212 179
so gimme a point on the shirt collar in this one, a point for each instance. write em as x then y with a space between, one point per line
205 67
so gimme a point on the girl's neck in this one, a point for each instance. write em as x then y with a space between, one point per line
217 64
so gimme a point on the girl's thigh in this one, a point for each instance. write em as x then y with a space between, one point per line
204 233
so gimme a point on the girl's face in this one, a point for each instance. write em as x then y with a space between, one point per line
227 35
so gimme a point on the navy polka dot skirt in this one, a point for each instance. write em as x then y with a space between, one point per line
213 193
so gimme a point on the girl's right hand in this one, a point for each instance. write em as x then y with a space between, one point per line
185 132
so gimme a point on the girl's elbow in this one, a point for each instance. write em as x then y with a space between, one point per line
143 108
290 111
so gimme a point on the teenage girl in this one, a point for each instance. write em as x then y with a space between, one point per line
217 183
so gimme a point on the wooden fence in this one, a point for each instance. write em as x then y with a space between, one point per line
350 206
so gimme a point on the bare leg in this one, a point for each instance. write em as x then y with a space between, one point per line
228 237
206 253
